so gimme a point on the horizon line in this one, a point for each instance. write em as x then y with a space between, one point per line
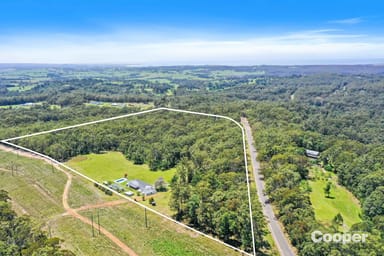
192 65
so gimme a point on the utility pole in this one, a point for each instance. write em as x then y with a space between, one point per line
93 231
12 168
98 219
145 217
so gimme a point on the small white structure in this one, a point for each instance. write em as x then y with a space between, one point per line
128 193
312 153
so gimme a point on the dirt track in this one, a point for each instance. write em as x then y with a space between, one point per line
101 205
73 212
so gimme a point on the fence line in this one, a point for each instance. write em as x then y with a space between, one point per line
7 142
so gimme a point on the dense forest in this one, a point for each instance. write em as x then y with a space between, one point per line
281 145
18 237
337 110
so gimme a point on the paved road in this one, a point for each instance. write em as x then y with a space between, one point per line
281 241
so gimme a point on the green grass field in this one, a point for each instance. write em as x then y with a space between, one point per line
341 200
36 190
20 88
160 238
36 185
141 106
82 193
78 238
111 166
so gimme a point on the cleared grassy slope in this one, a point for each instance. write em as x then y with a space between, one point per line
113 165
340 200
161 238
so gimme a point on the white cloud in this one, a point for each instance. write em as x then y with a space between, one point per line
350 21
305 47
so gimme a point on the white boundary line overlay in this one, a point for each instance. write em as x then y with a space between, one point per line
7 142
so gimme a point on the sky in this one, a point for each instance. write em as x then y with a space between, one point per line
210 32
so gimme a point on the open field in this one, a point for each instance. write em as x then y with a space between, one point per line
341 200
142 106
35 185
78 238
113 165
161 238
81 193
235 73
22 105
28 106
20 88
37 188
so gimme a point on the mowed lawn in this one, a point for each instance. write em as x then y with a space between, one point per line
111 166
341 200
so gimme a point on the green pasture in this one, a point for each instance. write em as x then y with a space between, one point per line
340 201
111 166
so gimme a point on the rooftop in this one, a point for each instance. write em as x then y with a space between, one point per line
312 153
142 186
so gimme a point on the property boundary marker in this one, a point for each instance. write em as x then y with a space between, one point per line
7 142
